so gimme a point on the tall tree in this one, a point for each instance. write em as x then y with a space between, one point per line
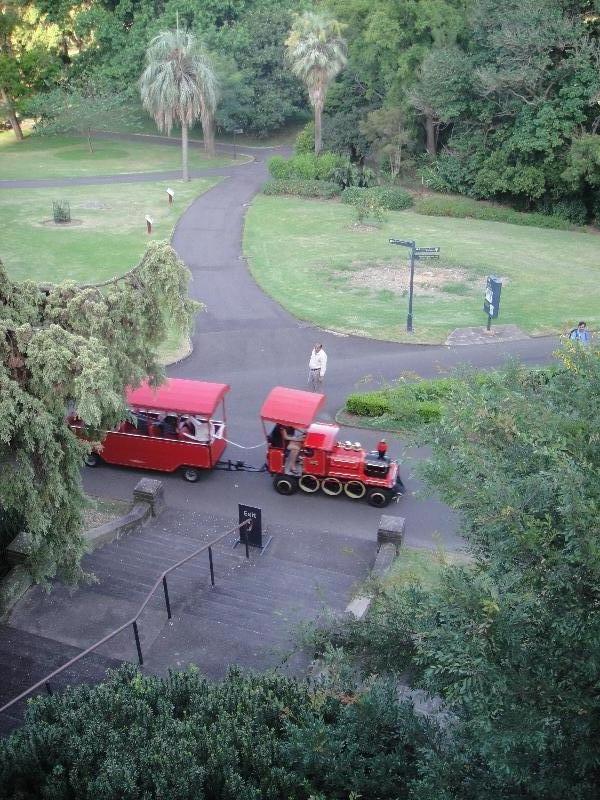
179 84
66 346
317 53
28 61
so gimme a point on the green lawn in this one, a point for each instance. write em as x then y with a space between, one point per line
346 278
65 157
415 565
108 238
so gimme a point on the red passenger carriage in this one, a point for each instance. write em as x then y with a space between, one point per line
172 427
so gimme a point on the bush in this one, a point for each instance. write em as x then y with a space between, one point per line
368 207
572 210
391 198
369 404
249 736
596 207
461 207
421 402
306 166
305 141
301 188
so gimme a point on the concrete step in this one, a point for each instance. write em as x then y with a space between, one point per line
26 658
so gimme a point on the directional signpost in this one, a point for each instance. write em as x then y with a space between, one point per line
416 254
491 301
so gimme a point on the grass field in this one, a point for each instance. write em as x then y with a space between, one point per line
425 567
348 278
108 235
65 157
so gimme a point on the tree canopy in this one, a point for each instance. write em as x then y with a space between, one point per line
511 641
178 85
70 347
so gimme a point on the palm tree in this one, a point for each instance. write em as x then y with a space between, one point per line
317 53
179 85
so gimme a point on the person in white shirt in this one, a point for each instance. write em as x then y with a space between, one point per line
317 367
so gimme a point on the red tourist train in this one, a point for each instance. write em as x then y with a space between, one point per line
176 427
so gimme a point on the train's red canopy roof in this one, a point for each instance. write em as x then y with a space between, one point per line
291 406
182 397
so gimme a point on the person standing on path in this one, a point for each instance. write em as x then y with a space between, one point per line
317 367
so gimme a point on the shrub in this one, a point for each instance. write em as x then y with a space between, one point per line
368 207
305 141
301 188
389 197
306 166
367 404
596 206
278 167
349 174
572 210
461 207
249 736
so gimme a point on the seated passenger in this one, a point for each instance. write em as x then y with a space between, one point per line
203 431
198 430
275 438
293 442
186 428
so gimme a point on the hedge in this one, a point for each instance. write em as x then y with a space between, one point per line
392 198
367 404
301 188
461 207
408 405
306 166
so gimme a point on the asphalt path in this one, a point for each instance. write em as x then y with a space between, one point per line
246 339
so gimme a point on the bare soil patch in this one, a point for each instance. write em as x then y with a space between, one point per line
395 278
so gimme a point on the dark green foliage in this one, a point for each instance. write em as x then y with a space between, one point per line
392 198
301 188
461 207
513 114
305 141
407 405
367 404
511 641
570 209
251 737
306 166
64 346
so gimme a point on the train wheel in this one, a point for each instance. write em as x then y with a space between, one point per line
379 497
285 484
355 490
309 484
91 459
332 487
190 474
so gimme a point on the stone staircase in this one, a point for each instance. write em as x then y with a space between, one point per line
250 617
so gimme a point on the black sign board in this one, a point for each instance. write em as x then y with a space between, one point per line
491 302
420 256
254 529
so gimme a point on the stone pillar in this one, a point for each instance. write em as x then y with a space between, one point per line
150 491
391 530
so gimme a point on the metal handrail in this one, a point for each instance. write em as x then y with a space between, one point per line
133 621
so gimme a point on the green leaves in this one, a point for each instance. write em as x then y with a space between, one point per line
69 348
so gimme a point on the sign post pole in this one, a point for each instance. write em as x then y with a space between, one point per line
416 253
491 300
409 318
